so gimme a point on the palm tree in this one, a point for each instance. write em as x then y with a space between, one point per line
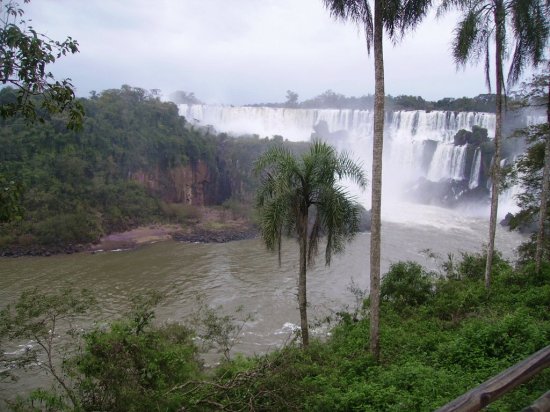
295 192
396 16
482 22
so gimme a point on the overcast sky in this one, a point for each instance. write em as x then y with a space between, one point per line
243 51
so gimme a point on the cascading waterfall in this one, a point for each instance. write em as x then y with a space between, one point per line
448 163
418 144
474 173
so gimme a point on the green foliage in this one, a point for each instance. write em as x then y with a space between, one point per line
528 169
216 330
428 356
25 56
180 213
35 315
406 284
10 193
41 318
135 162
292 186
333 100
134 366
426 360
472 266
506 22
41 400
302 197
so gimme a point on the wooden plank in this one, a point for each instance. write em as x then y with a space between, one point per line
542 404
499 385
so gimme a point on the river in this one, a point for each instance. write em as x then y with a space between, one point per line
243 273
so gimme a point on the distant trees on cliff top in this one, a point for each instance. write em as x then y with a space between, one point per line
332 100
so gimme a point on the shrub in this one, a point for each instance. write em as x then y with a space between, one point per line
456 299
69 228
180 213
406 284
128 371
472 266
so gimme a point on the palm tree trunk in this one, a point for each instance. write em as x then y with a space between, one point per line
544 193
376 199
499 23
302 297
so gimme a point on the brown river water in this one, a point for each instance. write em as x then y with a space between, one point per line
243 273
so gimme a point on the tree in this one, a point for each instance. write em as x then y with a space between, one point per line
181 97
25 55
545 195
534 168
291 98
10 194
300 196
396 16
484 21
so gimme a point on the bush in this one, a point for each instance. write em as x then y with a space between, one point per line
456 299
238 209
472 266
494 345
180 213
69 228
407 284
124 370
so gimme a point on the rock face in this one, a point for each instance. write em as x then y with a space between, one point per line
527 226
469 182
193 184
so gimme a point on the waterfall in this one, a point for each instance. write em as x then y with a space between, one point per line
448 163
297 124
474 173
417 144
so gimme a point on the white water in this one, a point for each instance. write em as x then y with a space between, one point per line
417 143
474 173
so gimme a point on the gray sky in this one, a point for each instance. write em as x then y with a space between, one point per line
243 51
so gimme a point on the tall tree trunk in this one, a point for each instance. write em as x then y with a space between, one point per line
376 199
302 297
544 193
495 175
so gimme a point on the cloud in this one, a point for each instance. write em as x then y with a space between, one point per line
242 51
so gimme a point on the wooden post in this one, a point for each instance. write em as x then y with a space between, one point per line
499 385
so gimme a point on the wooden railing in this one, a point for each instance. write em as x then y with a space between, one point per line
504 382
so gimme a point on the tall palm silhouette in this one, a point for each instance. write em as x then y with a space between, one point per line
396 17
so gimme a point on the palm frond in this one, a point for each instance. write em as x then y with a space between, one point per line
466 40
531 29
412 13
356 11
292 187
339 214
347 168
446 6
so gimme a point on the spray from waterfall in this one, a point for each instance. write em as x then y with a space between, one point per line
420 151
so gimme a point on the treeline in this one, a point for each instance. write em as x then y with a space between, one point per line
134 159
332 100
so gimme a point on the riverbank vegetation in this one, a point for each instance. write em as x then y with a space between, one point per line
441 334
135 162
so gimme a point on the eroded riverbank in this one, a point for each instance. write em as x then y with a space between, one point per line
214 225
